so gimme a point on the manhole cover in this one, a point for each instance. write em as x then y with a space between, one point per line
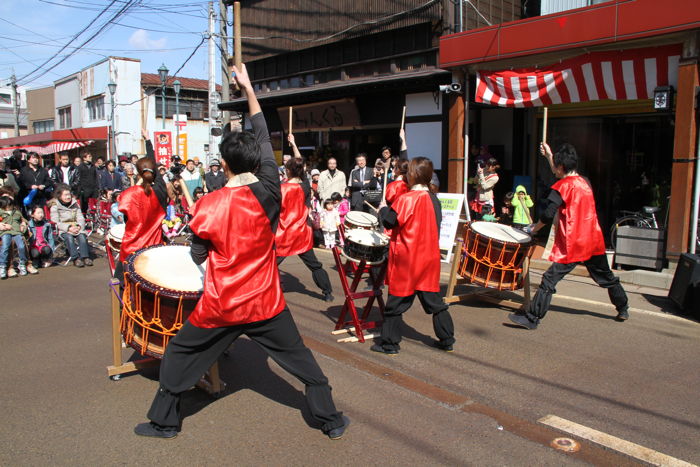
565 444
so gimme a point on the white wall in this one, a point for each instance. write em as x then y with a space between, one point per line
68 93
424 138
127 110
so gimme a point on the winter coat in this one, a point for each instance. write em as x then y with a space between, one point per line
519 213
65 216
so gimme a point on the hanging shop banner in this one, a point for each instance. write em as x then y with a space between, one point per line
182 146
163 147
451 204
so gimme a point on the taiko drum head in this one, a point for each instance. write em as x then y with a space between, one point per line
501 232
361 219
170 267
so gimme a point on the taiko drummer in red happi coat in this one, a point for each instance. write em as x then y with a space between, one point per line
414 260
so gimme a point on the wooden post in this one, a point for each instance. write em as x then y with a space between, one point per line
544 126
116 323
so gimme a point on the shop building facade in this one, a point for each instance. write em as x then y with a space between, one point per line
596 69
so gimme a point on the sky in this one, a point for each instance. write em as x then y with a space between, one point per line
33 33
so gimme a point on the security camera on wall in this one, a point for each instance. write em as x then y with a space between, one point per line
455 88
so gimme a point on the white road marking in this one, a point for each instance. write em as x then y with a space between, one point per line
614 443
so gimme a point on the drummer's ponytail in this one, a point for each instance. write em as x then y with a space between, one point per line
146 168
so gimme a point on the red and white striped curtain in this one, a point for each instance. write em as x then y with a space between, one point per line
616 75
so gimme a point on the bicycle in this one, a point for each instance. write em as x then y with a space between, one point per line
646 219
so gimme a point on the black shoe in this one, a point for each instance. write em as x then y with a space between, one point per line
378 348
79 263
622 315
87 261
154 431
337 433
444 347
328 297
522 321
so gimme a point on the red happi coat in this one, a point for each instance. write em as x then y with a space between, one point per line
294 235
394 190
578 236
242 282
144 217
414 252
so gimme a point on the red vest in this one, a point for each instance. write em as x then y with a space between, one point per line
578 235
414 251
294 235
242 282
144 216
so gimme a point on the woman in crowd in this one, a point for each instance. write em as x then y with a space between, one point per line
70 223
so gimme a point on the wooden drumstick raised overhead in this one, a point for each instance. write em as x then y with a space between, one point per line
544 126
386 169
291 109
237 39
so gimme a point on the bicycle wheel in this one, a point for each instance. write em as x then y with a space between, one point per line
633 220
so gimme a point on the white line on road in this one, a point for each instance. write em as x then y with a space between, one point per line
614 443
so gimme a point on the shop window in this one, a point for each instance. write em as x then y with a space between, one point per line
95 108
64 118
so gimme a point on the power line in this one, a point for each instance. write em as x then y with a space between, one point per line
75 36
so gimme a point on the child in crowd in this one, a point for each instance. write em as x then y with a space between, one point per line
12 228
69 220
117 217
198 194
330 220
521 208
487 214
344 204
507 209
41 243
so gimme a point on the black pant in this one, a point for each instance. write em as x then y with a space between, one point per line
432 304
600 272
319 274
85 196
194 350
40 256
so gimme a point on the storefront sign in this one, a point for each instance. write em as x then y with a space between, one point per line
182 146
340 113
163 147
451 204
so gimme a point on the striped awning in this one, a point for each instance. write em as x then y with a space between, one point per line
616 75
49 148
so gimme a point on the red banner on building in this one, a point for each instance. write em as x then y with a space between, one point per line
163 147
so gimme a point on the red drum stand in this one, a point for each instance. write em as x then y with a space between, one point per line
356 323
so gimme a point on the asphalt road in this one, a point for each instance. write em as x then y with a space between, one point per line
479 405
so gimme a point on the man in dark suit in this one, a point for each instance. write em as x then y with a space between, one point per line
359 183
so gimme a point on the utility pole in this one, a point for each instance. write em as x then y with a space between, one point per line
225 78
15 102
213 110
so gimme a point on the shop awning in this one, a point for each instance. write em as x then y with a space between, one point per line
50 148
615 75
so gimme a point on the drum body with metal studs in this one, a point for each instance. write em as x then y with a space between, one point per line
493 255
360 220
367 245
162 286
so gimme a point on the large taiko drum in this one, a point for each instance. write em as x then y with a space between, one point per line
360 220
493 255
161 288
114 238
367 245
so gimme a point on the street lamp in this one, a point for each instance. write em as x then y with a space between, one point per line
112 89
163 74
176 87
